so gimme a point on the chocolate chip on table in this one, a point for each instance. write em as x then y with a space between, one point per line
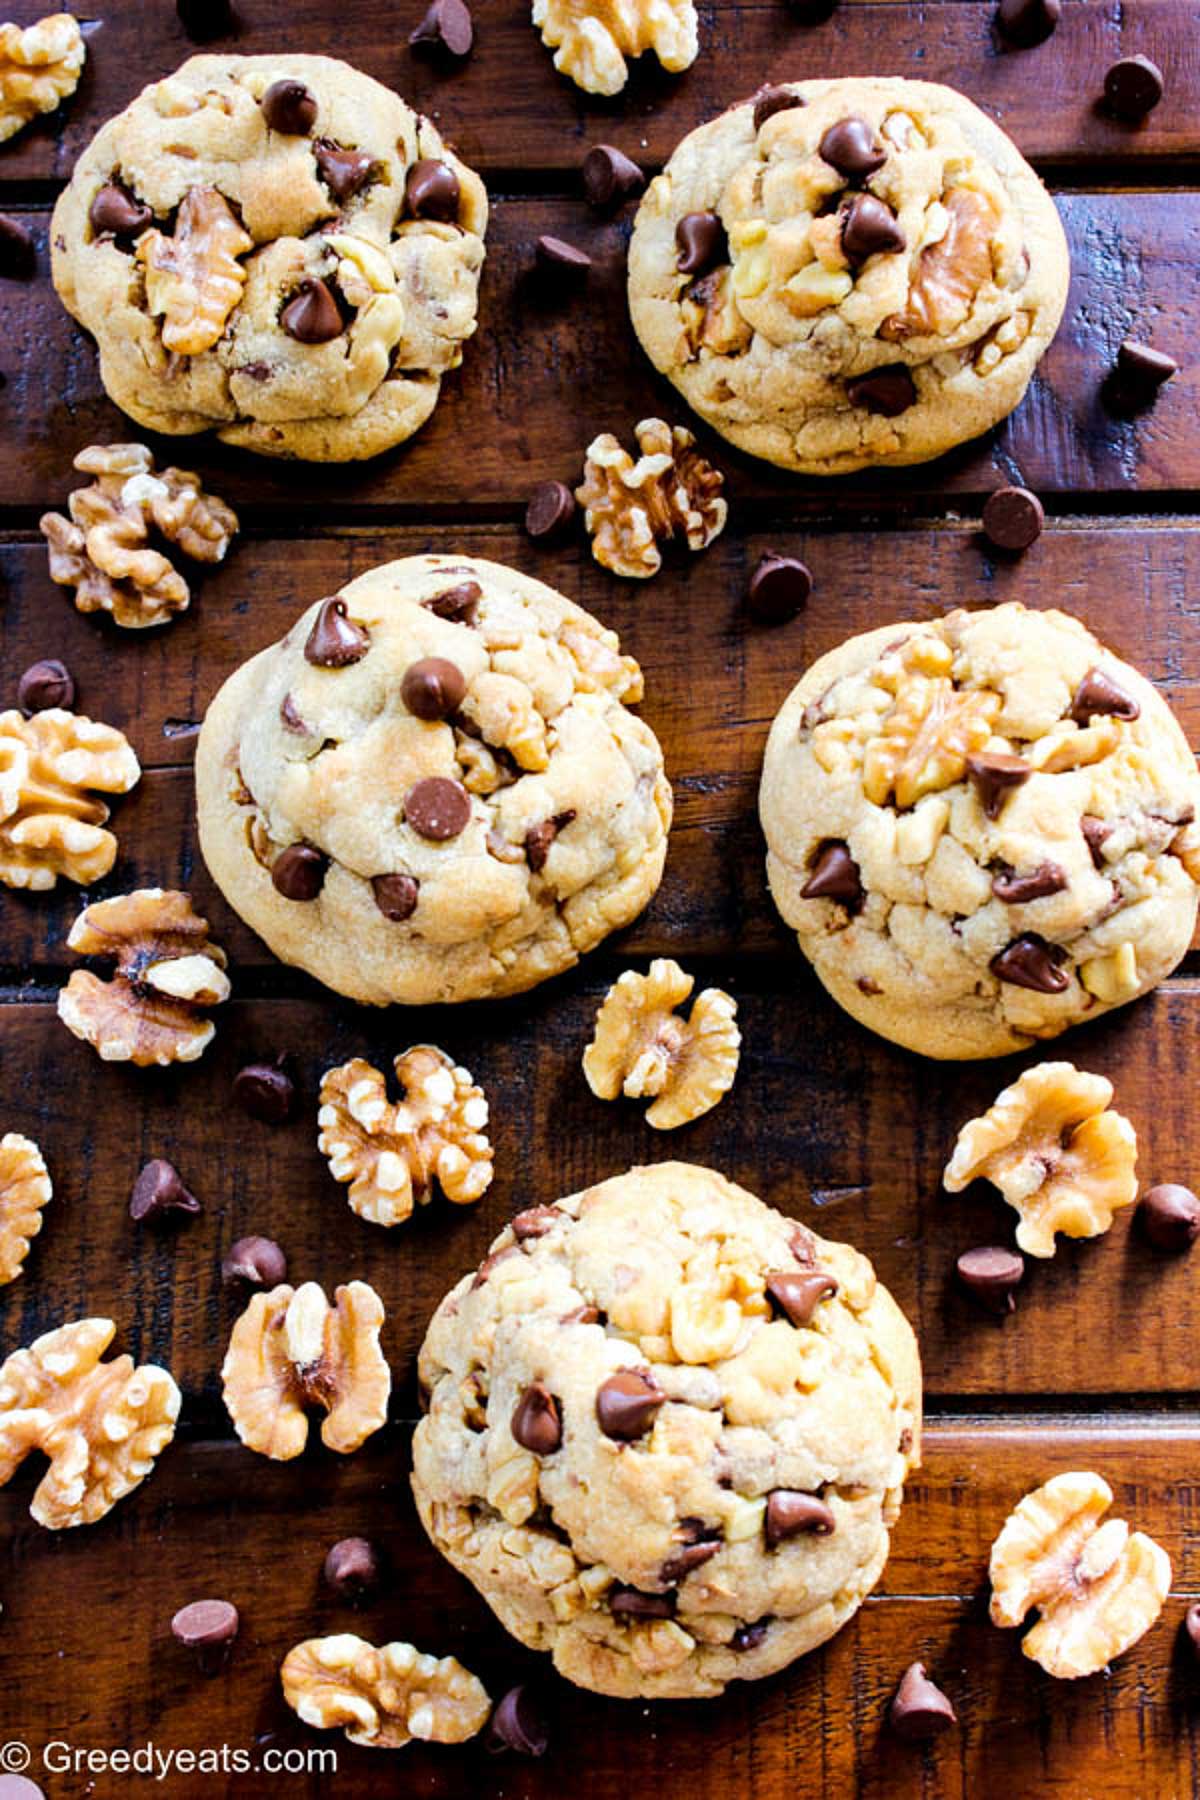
456 603
778 588
1169 1215
1096 834
869 228
437 808
852 148
626 1404
208 1627
1133 87
1015 890
431 191
701 242
537 1420
1191 1624
257 1260
396 896
115 213
610 177
990 1274
343 171
919 1710
311 316
299 872
834 876
1030 962
446 29
535 1222
887 392
790 1512
551 510
560 263
159 1190
433 688
749 1637
1140 372
1013 518
335 641
1099 693
771 100
354 1569
290 108
631 1603
45 685
995 775
519 1724
205 19
1025 23
798 1296
18 253
266 1091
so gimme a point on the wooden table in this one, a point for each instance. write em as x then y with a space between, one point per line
1098 1366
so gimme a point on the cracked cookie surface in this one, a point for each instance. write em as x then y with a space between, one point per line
276 248
668 1432
982 829
431 789
851 272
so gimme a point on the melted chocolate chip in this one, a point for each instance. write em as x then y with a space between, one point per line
1030 962
888 392
396 896
45 685
834 876
335 641
540 837
869 228
990 1275
1096 834
344 172
290 717
702 244
995 775
433 688
790 1512
1098 693
631 1603
456 603
115 213
535 1222
701 1548
798 1296
771 100
311 316
437 808
610 177
627 1403
537 1420
290 108
852 148
299 872
749 1637
1015 890
431 191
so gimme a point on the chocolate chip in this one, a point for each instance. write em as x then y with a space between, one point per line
1141 370
18 253
990 1274
626 1404
204 20
551 510
1133 88
1013 518
869 228
1015 890
888 391
396 896
311 316
354 1568
852 149
290 108
778 588
433 688
299 872
115 213
456 603
1170 1216
1099 693
1030 962
702 244
255 371
631 1603
491 1262
995 776
431 191
561 264
437 808
1096 833
539 838
258 1260
803 1247
789 1512
610 177
290 717
335 641
798 1296
537 1420
266 1091
1191 1624
749 1637
834 876
1027 22
159 1190
446 29
535 1222
519 1724
771 100
208 1627
45 685
344 172
919 1710
679 1565
583 1315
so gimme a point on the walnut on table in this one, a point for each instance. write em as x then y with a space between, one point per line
1098 1588
383 1698
193 278
103 550
154 1008
592 38
25 1190
641 1046
51 767
392 1153
291 1350
40 67
670 492
101 1425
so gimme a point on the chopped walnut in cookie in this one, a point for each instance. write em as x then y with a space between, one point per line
592 39
193 277
383 1698
1097 1587
631 507
25 1190
642 1047
1058 1155
40 67
51 765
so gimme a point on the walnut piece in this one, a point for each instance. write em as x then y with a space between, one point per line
925 740
290 1350
39 67
641 1045
101 1425
51 765
384 1698
25 1189
194 279
391 1153
951 269
592 38
711 316
103 550
1098 1588
1059 1157
168 973
629 507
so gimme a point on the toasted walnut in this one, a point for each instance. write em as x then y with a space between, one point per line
631 507
711 316
592 38
24 1190
50 825
101 1425
392 1153
384 1698
1059 1157
1112 978
1098 1588
39 67
926 739
168 973
194 279
1001 341
954 264
503 709
641 1046
290 1350
1075 747
103 549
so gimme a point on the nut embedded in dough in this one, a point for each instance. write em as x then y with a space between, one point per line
641 1047
383 1698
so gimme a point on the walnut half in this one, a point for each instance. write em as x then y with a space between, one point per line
383 1698
40 67
25 1189
1059 1157
51 767
1098 1588
630 508
642 1047
593 38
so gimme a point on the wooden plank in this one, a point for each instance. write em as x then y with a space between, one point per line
540 379
827 1123
506 107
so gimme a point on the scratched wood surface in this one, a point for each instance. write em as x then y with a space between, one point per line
1096 1368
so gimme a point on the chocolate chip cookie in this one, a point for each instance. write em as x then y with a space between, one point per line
982 829
276 248
668 1432
432 789
841 273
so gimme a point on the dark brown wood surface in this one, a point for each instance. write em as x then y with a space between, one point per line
1096 1369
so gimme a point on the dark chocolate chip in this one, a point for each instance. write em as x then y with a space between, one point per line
1170 1216
537 1420
626 1404
834 876
610 177
919 1710
18 253
456 603
1096 833
344 172
207 1627
115 213
159 1190
699 1543
790 1512
335 641
1030 962
1013 518
354 1568
396 896
771 100
798 1296
802 1247
299 872
290 716
45 685
311 316
561 264
290 108
778 588
431 191
551 510
1027 22
701 242
1015 890
266 1091
519 1724
869 228
1133 88
995 776
539 838
535 1222
433 688
257 1260
631 1603
1191 1625
852 148
1142 370
889 391
1099 693
437 808
749 1637
990 1274
445 30
204 20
